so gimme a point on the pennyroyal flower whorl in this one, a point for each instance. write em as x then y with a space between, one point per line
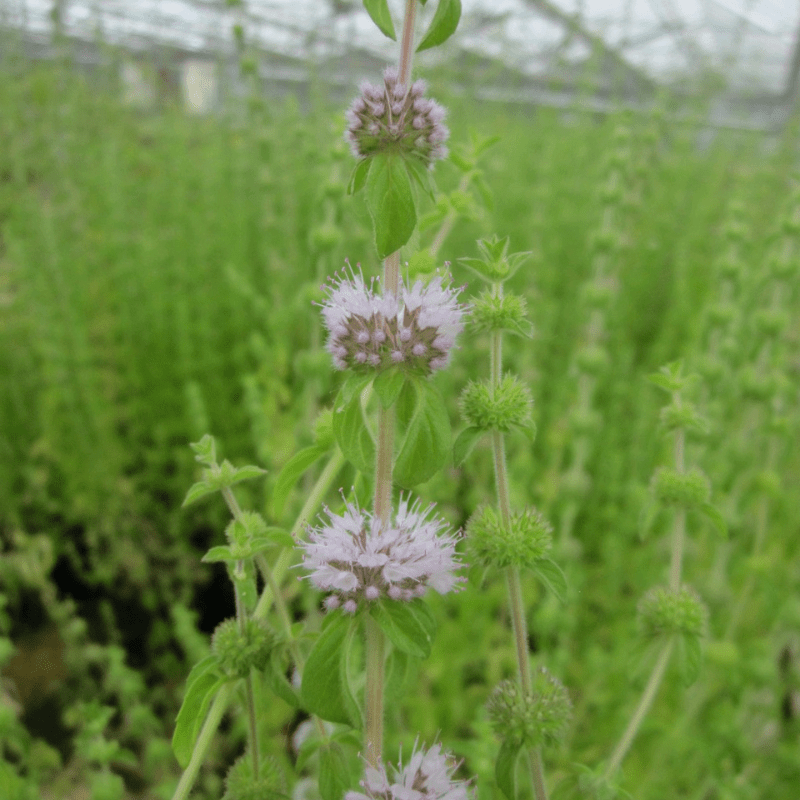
394 119
415 330
427 776
357 558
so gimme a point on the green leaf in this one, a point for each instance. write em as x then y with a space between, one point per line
443 25
391 203
398 666
410 627
278 682
246 473
205 450
690 654
334 772
379 12
321 689
351 671
197 491
353 434
215 554
714 516
425 446
358 178
505 768
388 385
272 536
200 690
353 385
465 443
552 577
291 472
422 176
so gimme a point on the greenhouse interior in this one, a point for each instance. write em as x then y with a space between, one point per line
399 399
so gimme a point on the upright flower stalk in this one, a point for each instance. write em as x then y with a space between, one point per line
506 540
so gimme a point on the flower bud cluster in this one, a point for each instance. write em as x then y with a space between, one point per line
686 489
358 559
507 312
527 540
241 784
415 330
239 652
685 415
666 611
496 408
394 118
427 776
533 719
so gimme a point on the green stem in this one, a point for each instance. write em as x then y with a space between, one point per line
221 701
641 710
373 732
515 599
212 721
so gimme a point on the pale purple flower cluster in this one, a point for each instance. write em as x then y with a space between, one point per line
394 118
357 558
416 330
427 776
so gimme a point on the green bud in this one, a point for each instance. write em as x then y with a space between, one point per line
605 241
682 415
527 540
238 652
496 408
107 785
507 312
686 489
241 785
756 385
496 264
592 359
238 34
771 321
722 314
597 295
533 719
585 422
667 611
248 65
769 482
325 237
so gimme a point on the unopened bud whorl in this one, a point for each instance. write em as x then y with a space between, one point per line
394 119
359 559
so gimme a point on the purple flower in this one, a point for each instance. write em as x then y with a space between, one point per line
357 558
417 329
427 776
391 119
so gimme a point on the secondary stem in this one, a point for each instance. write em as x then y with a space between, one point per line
515 599
641 710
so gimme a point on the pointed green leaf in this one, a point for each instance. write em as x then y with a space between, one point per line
205 450
421 176
272 536
426 442
714 516
388 385
197 491
218 554
354 385
352 432
465 443
199 693
291 473
246 473
505 768
410 627
334 772
391 203
552 577
398 666
358 178
278 682
443 25
691 658
321 688
379 12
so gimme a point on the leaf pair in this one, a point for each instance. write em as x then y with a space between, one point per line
442 27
